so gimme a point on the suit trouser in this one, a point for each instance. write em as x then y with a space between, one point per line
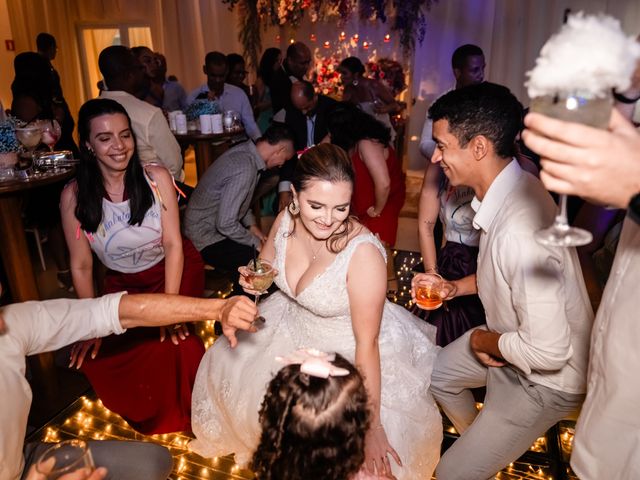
123 460
516 412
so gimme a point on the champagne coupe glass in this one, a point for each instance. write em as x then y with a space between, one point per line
64 458
428 291
50 133
29 137
260 277
592 111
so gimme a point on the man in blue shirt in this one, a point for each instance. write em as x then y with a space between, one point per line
229 97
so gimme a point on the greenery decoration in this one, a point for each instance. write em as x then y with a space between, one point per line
408 17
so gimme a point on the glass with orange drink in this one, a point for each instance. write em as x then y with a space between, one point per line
427 291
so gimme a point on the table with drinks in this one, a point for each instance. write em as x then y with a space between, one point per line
214 135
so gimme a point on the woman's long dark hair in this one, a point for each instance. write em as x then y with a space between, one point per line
329 163
312 428
265 69
90 184
348 125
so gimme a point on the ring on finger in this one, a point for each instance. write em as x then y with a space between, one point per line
177 326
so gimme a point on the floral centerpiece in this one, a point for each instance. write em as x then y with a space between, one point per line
9 144
326 78
201 107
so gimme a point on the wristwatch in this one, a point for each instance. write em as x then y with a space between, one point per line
634 208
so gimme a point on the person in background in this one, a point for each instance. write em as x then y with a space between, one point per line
31 328
603 166
237 73
467 64
151 91
229 97
308 119
532 354
218 219
293 69
175 96
314 420
127 215
48 49
379 189
371 95
123 77
270 62
33 89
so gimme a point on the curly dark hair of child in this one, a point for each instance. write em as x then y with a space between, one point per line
312 428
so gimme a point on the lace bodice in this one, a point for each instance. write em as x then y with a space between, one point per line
326 295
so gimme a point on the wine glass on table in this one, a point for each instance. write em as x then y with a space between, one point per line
51 132
29 137
65 458
259 275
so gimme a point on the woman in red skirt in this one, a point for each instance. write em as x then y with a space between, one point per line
379 189
127 215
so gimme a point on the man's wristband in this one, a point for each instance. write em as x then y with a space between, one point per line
634 208
624 99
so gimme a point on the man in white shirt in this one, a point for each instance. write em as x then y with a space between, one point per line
228 96
34 327
604 167
532 354
123 75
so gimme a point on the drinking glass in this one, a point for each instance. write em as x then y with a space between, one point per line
228 120
428 291
51 132
64 458
30 138
592 111
260 274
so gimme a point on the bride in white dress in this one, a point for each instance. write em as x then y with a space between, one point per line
332 281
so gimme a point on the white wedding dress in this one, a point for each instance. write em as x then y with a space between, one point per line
231 383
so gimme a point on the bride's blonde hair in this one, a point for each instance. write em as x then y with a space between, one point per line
329 163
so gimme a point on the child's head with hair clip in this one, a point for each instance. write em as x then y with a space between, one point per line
314 418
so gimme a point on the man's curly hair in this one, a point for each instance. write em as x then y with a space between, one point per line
312 428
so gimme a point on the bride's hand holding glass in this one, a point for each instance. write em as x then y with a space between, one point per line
377 450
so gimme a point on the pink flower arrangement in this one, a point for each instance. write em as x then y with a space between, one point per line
325 77
390 73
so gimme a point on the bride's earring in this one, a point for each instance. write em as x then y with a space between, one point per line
294 208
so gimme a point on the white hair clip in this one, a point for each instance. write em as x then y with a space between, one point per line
314 362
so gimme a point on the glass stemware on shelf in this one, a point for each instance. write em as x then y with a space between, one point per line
593 111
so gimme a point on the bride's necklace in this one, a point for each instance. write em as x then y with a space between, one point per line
315 254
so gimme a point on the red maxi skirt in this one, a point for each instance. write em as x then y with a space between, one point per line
146 381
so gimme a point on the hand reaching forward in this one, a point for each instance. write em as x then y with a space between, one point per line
80 349
238 313
376 451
